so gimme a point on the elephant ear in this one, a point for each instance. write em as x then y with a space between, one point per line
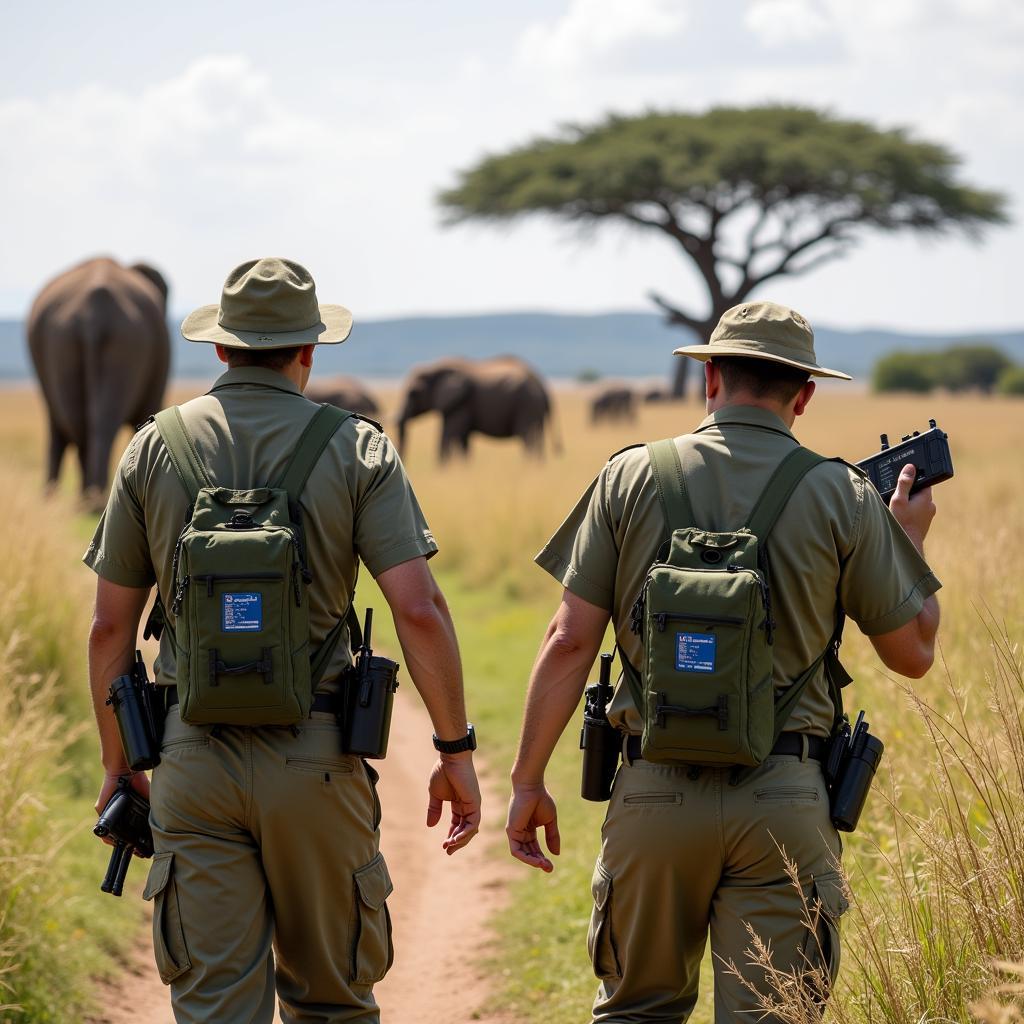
452 390
154 276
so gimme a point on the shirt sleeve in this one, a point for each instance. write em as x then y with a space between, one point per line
119 551
389 524
884 581
583 555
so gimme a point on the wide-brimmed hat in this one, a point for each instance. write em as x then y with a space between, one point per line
763 330
268 303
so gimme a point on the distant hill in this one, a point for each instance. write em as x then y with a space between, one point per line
558 344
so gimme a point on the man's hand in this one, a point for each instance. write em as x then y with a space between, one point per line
453 780
531 808
914 513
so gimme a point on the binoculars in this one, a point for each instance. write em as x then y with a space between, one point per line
125 819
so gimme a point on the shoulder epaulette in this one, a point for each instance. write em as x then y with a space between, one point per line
622 451
366 419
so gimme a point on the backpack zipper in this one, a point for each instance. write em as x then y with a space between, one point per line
762 584
296 584
179 595
661 618
215 577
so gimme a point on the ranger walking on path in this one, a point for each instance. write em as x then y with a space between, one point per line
267 878
727 702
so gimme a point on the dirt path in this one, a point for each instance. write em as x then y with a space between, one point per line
440 906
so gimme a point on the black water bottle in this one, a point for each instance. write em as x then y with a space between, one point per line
600 742
370 699
856 773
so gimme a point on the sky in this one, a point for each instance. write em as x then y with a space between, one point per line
197 135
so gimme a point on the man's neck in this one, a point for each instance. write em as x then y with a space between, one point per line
784 412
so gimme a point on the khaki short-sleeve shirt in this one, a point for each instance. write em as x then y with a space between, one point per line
835 546
357 505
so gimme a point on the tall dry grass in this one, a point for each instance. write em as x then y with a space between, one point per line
56 929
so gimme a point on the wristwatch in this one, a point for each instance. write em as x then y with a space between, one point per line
468 742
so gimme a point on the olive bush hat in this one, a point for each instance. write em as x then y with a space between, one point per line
268 303
763 330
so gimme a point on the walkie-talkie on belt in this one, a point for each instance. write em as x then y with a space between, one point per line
600 741
928 452
369 698
853 758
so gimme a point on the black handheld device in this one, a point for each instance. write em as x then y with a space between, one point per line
133 698
125 819
600 742
849 771
369 700
927 451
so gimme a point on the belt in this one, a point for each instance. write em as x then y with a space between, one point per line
788 743
321 702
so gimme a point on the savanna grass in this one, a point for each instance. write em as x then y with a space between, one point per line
56 930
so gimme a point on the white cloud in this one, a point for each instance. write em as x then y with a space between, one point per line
212 160
591 29
777 22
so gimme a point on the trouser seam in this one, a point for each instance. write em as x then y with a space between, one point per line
720 812
249 802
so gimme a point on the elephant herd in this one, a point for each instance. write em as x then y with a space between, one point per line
100 346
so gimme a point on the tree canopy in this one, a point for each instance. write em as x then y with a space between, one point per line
748 194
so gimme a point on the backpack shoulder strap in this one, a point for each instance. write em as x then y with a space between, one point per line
779 489
671 485
318 433
184 457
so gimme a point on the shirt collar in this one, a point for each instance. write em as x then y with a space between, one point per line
747 416
259 376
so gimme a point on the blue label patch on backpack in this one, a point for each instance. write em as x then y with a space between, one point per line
695 652
241 613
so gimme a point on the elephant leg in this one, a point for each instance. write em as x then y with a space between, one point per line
455 431
55 455
96 467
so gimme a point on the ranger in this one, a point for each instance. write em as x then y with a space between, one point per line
695 848
267 878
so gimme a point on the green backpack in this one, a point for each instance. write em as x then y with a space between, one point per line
240 577
704 614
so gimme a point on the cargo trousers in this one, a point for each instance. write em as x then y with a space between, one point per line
267 880
684 853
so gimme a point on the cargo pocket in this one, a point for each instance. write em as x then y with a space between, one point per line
821 950
601 945
168 935
372 949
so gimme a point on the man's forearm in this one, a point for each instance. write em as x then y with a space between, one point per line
556 685
431 652
111 651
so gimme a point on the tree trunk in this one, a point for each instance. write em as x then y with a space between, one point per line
681 371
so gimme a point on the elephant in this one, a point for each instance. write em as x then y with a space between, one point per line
345 393
98 338
613 403
657 395
499 397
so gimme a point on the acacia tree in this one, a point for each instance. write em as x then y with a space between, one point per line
748 194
